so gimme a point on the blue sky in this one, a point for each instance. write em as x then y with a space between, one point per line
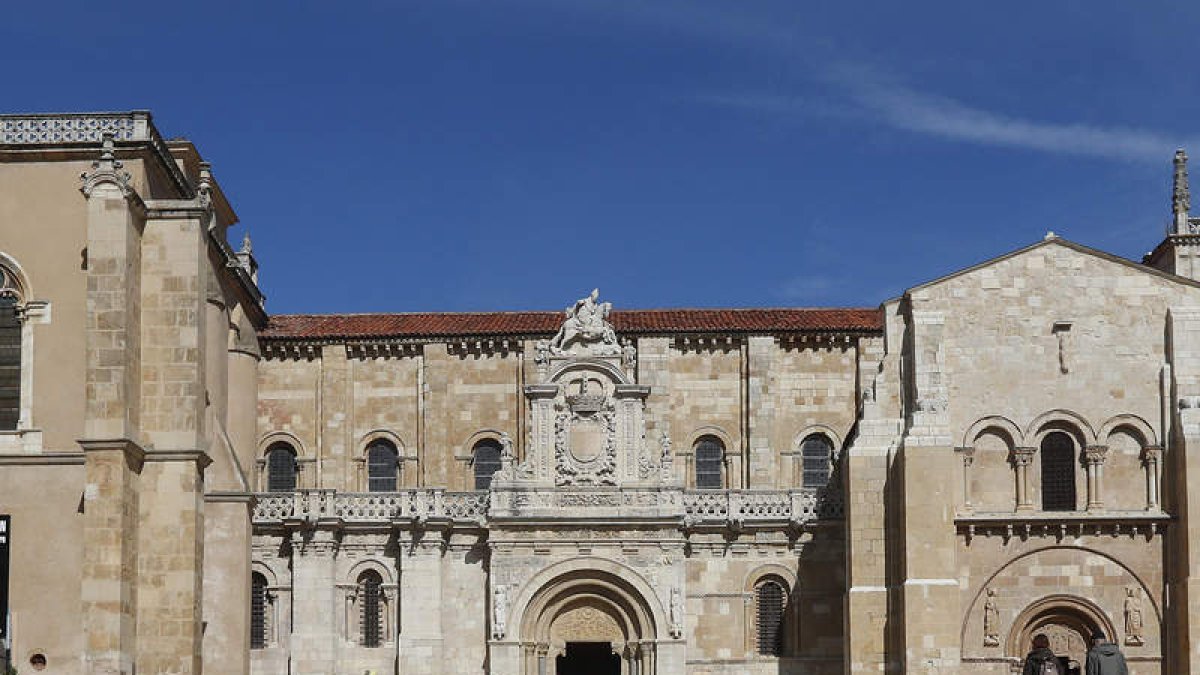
512 154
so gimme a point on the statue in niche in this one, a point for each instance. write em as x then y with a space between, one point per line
499 612
667 460
1133 618
587 326
676 613
991 621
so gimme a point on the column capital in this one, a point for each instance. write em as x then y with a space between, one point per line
1095 454
1022 455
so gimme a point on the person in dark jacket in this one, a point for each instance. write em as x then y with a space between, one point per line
1036 661
1105 658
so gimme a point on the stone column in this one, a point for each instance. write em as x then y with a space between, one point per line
1094 455
1022 457
314 602
110 552
421 635
1151 455
968 458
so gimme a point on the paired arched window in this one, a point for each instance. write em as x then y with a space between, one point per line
770 602
281 468
485 461
816 458
709 453
258 611
382 466
1058 472
370 617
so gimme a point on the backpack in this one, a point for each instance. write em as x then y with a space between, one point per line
1049 666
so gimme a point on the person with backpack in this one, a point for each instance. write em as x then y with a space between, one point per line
1105 658
1042 661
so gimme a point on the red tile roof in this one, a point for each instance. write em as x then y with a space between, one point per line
636 321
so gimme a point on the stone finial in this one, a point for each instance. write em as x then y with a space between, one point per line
1181 196
106 169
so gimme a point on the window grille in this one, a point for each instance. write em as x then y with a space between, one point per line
370 588
485 463
770 601
10 364
281 468
258 611
1058 472
816 456
710 462
381 467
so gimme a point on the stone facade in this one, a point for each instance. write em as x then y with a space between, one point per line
918 488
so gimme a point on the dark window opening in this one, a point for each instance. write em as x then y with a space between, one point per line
710 463
10 364
770 601
371 619
381 467
1058 472
816 456
258 611
281 468
485 463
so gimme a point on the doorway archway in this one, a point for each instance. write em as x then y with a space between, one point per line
588 622
1068 621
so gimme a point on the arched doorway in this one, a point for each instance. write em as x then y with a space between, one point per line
1068 622
588 622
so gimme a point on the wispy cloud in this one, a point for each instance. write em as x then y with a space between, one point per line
866 95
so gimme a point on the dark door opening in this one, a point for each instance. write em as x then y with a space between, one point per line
588 658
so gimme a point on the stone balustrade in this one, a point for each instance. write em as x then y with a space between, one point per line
699 507
761 506
371 507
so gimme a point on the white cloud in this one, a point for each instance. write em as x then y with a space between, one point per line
901 107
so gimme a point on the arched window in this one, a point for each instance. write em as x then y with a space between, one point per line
281 468
770 601
370 618
485 461
382 462
816 457
1058 472
710 462
10 359
258 611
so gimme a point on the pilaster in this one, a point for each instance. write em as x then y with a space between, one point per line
110 554
760 359
929 472
421 635
1182 644
314 601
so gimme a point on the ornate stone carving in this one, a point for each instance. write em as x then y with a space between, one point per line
1133 618
586 332
991 621
107 169
585 447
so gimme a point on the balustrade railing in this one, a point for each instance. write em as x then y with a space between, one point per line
713 507
313 505
751 506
